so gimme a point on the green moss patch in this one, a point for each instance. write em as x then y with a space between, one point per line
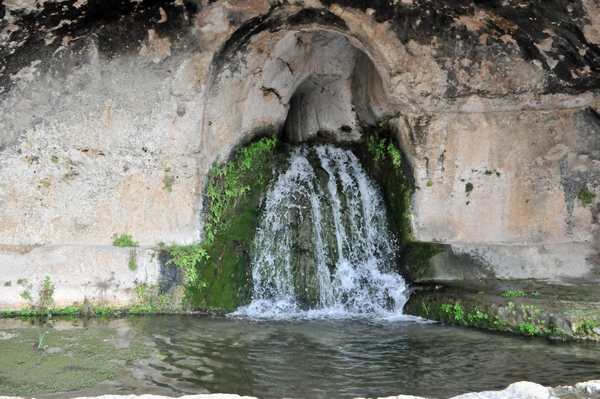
381 154
66 361
217 270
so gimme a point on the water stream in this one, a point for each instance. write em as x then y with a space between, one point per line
323 248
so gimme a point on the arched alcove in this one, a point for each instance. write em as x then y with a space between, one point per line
302 84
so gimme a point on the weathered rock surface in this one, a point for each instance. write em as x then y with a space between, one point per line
112 113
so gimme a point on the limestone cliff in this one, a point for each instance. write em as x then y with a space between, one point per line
112 112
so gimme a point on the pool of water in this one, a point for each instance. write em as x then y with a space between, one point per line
297 359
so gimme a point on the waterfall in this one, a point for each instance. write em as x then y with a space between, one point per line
323 247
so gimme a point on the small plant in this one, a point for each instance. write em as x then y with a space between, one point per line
167 170
513 294
469 187
536 294
481 293
27 296
7 283
477 316
586 326
46 295
41 336
168 182
429 183
32 158
497 174
488 172
528 329
124 241
45 182
586 196
395 155
132 260
468 202
22 282
140 290
187 257
511 305
456 311
54 159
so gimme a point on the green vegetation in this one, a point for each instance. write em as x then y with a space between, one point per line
38 362
536 294
429 183
587 326
46 296
133 260
7 283
168 182
41 336
586 196
27 296
469 187
54 159
381 155
528 329
455 311
45 182
513 294
477 316
216 271
124 241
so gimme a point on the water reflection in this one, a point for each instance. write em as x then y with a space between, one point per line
333 359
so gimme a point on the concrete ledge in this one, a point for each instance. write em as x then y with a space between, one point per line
99 273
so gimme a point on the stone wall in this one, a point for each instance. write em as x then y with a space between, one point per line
113 112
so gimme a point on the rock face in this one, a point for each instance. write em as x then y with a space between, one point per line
113 112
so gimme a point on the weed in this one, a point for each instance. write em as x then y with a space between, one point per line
27 296
45 182
528 329
456 311
396 156
429 183
168 182
22 282
497 174
54 159
586 196
488 172
46 295
32 158
225 188
477 316
124 241
41 336
481 293
167 170
469 187
7 283
511 305
187 257
132 260
140 290
536 294
468 202
514 294
586 326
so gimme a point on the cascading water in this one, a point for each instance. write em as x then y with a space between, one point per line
323 247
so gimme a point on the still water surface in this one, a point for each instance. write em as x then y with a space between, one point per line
332 359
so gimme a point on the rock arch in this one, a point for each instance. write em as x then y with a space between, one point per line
311 83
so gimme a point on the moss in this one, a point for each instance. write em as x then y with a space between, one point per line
381 155
70 361
220 280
